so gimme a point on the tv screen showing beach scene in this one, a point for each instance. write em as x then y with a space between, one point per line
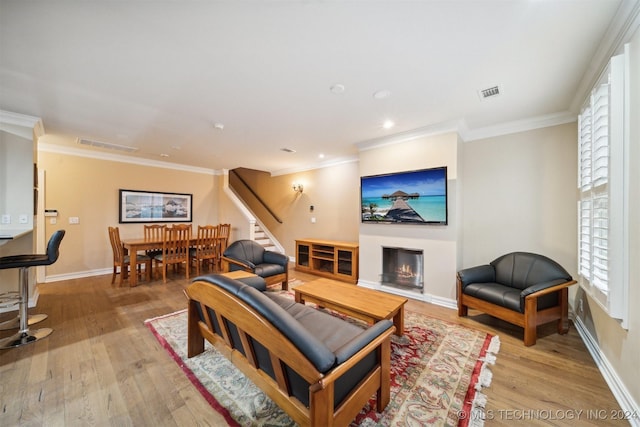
413 197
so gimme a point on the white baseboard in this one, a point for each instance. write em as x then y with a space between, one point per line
77 275
408 293
617 387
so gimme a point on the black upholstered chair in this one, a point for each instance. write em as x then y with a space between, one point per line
24 262
250 256
522 288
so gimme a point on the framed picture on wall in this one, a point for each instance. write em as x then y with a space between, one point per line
152 206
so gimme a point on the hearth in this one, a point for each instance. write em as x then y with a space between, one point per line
402 268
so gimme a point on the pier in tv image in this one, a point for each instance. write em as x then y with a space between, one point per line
413 197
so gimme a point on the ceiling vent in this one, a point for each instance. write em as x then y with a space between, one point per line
107 145
490 92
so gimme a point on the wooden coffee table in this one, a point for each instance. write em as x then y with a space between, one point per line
238 274
364 304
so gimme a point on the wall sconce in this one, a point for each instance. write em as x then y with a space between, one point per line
298 187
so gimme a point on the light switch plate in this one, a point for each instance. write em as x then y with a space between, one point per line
23 219
74 220
6 219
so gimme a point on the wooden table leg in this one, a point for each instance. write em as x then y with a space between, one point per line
133 263
398 321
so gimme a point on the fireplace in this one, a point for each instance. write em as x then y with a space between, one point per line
403 268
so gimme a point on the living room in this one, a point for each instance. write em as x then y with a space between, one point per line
514 190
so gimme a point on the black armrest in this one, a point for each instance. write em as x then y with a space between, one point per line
359 342
479 274
271 257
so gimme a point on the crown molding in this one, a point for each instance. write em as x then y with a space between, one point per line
517 126
320 165
80 152
455 126
467 134
621 29
7 117
21 124
431 130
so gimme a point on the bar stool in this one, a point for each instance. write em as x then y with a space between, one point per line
24 262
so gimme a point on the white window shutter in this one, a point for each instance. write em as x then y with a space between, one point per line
603 189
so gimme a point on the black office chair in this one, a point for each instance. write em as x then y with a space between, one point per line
23 262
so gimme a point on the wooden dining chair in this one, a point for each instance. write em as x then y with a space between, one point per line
175 249
122 262
205 250
154 233
224 230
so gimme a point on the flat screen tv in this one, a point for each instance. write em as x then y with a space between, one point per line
412 197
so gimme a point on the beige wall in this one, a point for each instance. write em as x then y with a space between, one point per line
87 188
332 191
519 194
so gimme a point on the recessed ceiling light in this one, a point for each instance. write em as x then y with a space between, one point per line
337 88
164 155
388 124
218 126
321 156
382 94
288 150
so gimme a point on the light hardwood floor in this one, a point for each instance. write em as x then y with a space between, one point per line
102 366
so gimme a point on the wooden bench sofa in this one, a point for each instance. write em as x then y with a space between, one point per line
319 369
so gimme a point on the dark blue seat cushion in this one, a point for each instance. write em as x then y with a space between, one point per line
331 331
495 293
268 270
318 353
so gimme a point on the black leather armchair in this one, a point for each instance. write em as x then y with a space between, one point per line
250 256
522 288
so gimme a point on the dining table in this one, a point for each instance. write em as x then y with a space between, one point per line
132 246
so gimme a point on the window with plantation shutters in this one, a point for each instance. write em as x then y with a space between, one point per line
602 220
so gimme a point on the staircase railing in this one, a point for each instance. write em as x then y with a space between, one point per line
255 195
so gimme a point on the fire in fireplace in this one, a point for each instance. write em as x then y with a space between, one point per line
402 267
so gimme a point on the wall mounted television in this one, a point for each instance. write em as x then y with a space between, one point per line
411 197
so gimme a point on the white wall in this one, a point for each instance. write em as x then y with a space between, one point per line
439 242
16 179
16 198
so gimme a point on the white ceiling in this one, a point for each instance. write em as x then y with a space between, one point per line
157 75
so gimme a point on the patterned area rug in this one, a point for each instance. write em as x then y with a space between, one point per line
437 372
